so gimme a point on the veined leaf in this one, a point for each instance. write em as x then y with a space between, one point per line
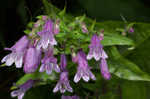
124 68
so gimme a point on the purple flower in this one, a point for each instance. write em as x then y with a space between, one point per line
63 62
104 69
47 35
83 70
32 60
22 89
70 97
131 30
18 51
96 49
49 62
63 83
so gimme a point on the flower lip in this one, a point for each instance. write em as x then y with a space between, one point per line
63 84
83 70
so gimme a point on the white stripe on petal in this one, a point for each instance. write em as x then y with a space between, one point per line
49 68
89 56
56 68
86 77
62 90
104 55
10 60
21 96
77 77
97 56
5 58
56 88
42 68
19 61
92 75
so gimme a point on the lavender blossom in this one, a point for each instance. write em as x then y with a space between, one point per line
32 60
104 69
47 35
18 51
22 89
96 49
49 62
83 70
70 97
63 83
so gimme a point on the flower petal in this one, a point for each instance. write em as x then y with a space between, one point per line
18 61
56 68
57 87
21 96
77 77
10 60
42 68
49 68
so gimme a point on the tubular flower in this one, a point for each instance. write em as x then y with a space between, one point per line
70 97
22 89
63 62
96 49
49 62
83 70
32 60
63 83
47 35
104 69
103 65
18 51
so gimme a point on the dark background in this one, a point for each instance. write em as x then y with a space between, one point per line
14 15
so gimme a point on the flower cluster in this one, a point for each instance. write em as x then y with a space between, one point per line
37 49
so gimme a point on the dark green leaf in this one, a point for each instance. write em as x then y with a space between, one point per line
124 68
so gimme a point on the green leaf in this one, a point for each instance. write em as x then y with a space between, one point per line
124 68
37 75
116 39
27 31
62 13
133 90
